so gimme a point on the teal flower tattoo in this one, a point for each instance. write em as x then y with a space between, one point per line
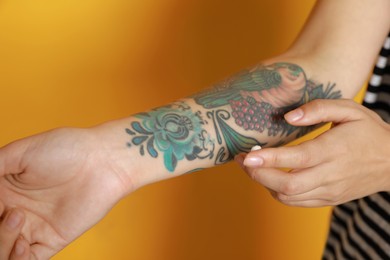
175 131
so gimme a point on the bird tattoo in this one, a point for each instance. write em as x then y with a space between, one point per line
279 84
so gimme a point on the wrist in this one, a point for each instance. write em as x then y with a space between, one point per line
111 143
133 168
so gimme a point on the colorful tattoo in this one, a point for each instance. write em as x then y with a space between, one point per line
257 100
260 97
235 142
254 101
175 131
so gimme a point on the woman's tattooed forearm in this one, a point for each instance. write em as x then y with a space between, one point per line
251 102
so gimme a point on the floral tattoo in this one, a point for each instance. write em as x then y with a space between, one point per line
175 131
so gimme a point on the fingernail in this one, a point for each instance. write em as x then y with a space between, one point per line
19 248
14 219
294 115
253 161
256 148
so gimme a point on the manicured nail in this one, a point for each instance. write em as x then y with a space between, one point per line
253 161
14 219
256 148
294 115
19 248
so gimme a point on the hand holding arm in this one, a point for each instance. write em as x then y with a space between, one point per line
349 161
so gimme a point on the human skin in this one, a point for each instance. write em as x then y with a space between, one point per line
347 162
56 178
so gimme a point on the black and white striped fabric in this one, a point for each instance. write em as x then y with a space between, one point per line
378 92
360 229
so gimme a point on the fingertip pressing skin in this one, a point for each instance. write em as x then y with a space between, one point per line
253 161
20 250
14 219
294 115
256 148
10 231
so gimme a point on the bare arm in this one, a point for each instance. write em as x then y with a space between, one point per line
342 40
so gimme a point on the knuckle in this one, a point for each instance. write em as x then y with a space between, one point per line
373 114
304 157
290 187
277 157
282 197
334 201
252 174
270 156
289 203
350 102
333 197
337 198
318 105
273 159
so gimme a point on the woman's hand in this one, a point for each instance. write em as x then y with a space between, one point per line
53 187
349 161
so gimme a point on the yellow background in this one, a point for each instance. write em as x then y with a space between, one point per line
79 63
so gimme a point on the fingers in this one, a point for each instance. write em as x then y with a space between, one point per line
21 250
282 182
325 110
10 227
302 188
308 203
299 189
300 156
313 198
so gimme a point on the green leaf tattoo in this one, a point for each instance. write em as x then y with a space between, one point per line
235 142
175 131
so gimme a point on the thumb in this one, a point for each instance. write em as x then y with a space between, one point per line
325 110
